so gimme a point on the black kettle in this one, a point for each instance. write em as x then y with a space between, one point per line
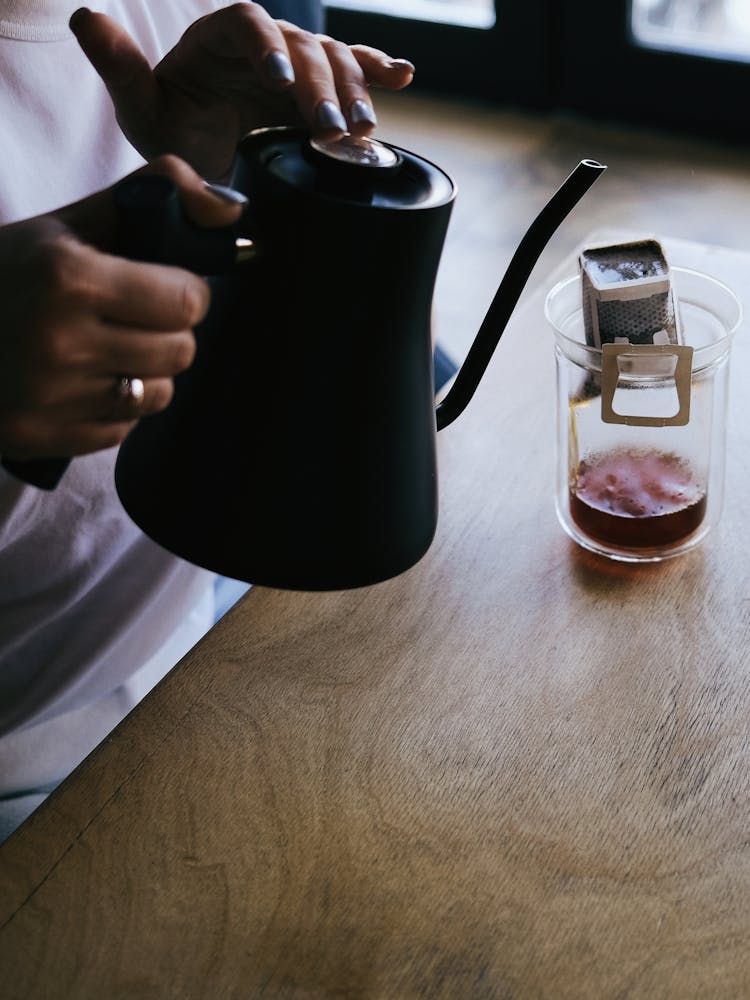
299 448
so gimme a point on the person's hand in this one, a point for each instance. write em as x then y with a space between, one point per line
77 319
232 71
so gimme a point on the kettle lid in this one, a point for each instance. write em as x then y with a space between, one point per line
354 169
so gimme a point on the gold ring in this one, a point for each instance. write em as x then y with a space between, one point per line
129 394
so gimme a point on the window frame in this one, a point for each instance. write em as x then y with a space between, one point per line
689 86
488 64
543 55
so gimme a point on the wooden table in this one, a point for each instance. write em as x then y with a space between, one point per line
517 771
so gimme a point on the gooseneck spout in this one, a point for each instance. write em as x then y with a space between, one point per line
522 263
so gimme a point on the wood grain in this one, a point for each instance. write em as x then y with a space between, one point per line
517 771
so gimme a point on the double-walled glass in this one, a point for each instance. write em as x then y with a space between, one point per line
641 430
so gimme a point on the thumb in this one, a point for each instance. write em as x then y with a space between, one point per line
94 218
119 61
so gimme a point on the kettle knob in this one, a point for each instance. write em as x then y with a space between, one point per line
354 151
351 165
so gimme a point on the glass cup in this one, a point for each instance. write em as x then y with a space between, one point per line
641 429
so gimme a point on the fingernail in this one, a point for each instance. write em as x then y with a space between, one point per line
226 194
76 16
361 111
279 68
403 64
329 116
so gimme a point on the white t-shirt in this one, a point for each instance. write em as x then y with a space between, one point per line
92 613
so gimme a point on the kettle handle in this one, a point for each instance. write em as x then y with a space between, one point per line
151 227
44 473
507 295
